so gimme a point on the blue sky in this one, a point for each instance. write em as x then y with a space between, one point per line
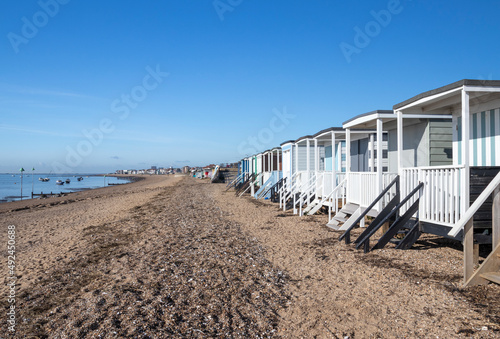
94 86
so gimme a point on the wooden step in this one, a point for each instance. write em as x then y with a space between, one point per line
311 206
491 276
336 221
333 226
328 204
349 208
315 208
342 216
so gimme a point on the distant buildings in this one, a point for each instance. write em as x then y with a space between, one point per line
154 170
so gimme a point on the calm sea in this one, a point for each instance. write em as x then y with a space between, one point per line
10 184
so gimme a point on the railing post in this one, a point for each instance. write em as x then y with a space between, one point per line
334 170
468 231
379 184
398 178
348 162
308 159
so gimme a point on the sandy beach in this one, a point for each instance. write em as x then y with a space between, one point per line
178 257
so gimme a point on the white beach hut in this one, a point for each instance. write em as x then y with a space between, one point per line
314 170
365 178
387 193
322 163
461 200
271 172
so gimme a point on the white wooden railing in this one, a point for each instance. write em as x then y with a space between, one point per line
236 180
362 188
251 184
307 193
305 186
319 182
271 180
337 198
282 191
303 180
287 184
340 177
289 189
440 196
265 177
325 182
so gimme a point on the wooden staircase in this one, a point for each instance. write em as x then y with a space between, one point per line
390 212
243 186
292 202
335 200
342 216
273 191
359 215
313 207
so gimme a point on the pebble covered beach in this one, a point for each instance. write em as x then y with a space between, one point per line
180 257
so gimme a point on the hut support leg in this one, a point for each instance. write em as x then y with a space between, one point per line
476 254
468 244
496 218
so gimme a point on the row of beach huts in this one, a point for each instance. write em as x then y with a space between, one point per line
429 165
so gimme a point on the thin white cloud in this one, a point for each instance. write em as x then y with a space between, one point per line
38 91
150 139
36 131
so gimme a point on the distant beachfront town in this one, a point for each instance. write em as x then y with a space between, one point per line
154 170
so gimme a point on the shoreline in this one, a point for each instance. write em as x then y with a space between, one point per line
78 195
132 179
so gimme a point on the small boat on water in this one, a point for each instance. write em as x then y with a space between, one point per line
80 179
59 182
44 179
68 181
